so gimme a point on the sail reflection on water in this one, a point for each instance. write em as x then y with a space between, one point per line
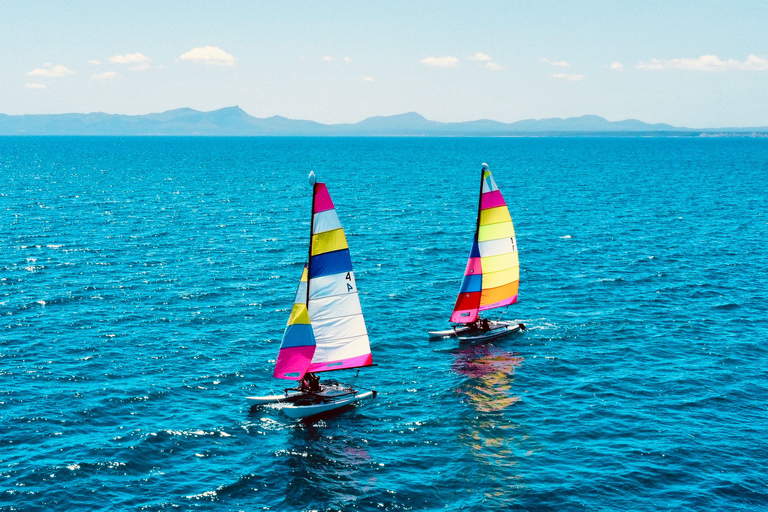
491 373
495 442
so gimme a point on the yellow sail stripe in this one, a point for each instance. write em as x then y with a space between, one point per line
496 279
495 231
494 215
304 275
299 314
499 262
329 241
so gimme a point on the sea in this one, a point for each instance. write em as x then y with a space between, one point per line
145 284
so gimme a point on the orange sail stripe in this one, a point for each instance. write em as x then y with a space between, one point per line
498 294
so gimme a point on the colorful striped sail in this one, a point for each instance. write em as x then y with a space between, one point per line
299 344
493 271
335 336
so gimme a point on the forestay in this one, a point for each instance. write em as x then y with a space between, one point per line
493 271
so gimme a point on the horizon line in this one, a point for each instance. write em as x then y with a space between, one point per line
231 107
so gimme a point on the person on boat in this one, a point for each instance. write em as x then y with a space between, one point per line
485 325
310 383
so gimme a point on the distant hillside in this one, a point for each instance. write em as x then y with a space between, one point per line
233 121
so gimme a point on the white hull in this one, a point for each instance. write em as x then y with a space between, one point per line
288 396
497 330
298 411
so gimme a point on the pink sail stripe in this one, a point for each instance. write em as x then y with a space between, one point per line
473 267
492 200
294 361
352 362
457 317
505 302
322 198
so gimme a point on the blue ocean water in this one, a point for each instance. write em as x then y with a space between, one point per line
145 284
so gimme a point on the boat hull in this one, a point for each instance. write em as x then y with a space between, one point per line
498 329
288 396
300 411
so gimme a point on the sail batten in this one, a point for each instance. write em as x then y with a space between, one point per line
492 275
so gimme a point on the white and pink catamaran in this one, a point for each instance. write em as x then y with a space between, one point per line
493 272
326 330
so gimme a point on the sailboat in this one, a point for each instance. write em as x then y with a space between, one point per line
492 275
326 329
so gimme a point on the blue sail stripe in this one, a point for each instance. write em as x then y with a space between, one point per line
330 263
298 335
472 283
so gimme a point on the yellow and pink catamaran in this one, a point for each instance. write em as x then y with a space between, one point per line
326 329
492 275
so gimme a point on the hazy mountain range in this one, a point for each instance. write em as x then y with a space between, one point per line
233 121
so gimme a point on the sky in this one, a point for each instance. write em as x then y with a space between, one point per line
687 63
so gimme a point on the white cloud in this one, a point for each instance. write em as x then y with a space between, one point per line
30 85
51 71
572 78
327 58
617 66
209 55
94 62
104 76
557 63
367 79
480 56
440 62
139 67
494 66
706 63
129 58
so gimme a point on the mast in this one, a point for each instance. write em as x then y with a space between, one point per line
480 199
483 167
313 182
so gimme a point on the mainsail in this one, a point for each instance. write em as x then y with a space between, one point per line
326 330
493 271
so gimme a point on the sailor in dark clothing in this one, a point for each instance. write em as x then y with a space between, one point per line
486 326
312 383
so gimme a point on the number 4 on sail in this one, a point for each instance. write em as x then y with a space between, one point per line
493 272
326 330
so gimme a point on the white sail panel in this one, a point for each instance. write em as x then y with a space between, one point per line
496 247
329 329
336 307
325 221
301 293
334 284
489 185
